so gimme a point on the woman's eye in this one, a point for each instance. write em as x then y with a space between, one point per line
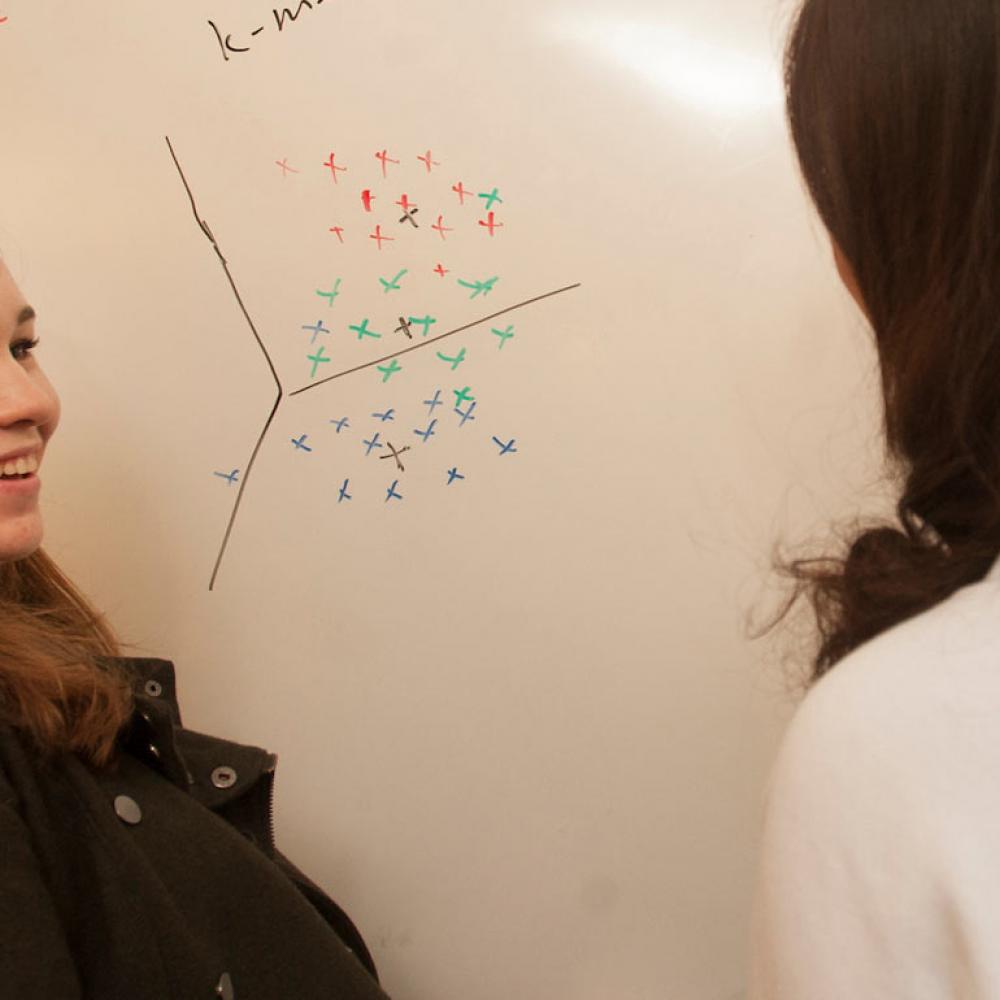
23 348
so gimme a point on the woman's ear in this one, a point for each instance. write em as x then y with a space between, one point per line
846 273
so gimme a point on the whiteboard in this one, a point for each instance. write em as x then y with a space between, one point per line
523 736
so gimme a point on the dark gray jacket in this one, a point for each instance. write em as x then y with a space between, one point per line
160 880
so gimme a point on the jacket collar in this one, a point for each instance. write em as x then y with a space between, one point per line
193 761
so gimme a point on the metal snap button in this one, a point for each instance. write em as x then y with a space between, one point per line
225 988
127 809
154 689
154 750
223 777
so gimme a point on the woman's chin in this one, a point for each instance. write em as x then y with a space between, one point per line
20 537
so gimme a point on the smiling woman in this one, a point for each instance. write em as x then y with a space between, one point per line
112 816
55 686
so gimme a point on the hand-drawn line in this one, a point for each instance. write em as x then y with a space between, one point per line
210 236
206 230
434 340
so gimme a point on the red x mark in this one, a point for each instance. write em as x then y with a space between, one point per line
367 199
285 167
441 228
339 230
404 204
491 224
333 167
379 238
428 161
385 158
461 191
441 269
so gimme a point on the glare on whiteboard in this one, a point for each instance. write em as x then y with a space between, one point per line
710 77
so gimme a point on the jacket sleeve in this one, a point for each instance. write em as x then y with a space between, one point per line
35 960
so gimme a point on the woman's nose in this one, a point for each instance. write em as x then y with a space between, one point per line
26 397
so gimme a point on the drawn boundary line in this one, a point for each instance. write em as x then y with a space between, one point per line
210 236
204 227
434 340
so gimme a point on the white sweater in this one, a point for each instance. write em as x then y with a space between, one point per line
879 873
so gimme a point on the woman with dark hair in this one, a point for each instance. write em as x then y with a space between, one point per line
137 858
880 862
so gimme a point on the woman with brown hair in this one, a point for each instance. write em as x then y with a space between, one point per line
137 858
880 863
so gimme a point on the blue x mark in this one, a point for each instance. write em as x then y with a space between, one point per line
231 478
316 331
467 415
506 448
388 415
391 493
427 434
372 444
341 423
300 444
454 474
435 402
344 495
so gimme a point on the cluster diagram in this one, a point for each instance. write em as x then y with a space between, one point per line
380 335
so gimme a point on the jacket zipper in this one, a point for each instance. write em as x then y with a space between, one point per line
269 813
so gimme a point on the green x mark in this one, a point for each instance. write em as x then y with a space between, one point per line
455 361
392 286
363 331
479 287
504 335
492 199
331 295
317 359
389 370
427 322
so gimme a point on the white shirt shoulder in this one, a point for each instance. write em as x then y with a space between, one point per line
879 871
